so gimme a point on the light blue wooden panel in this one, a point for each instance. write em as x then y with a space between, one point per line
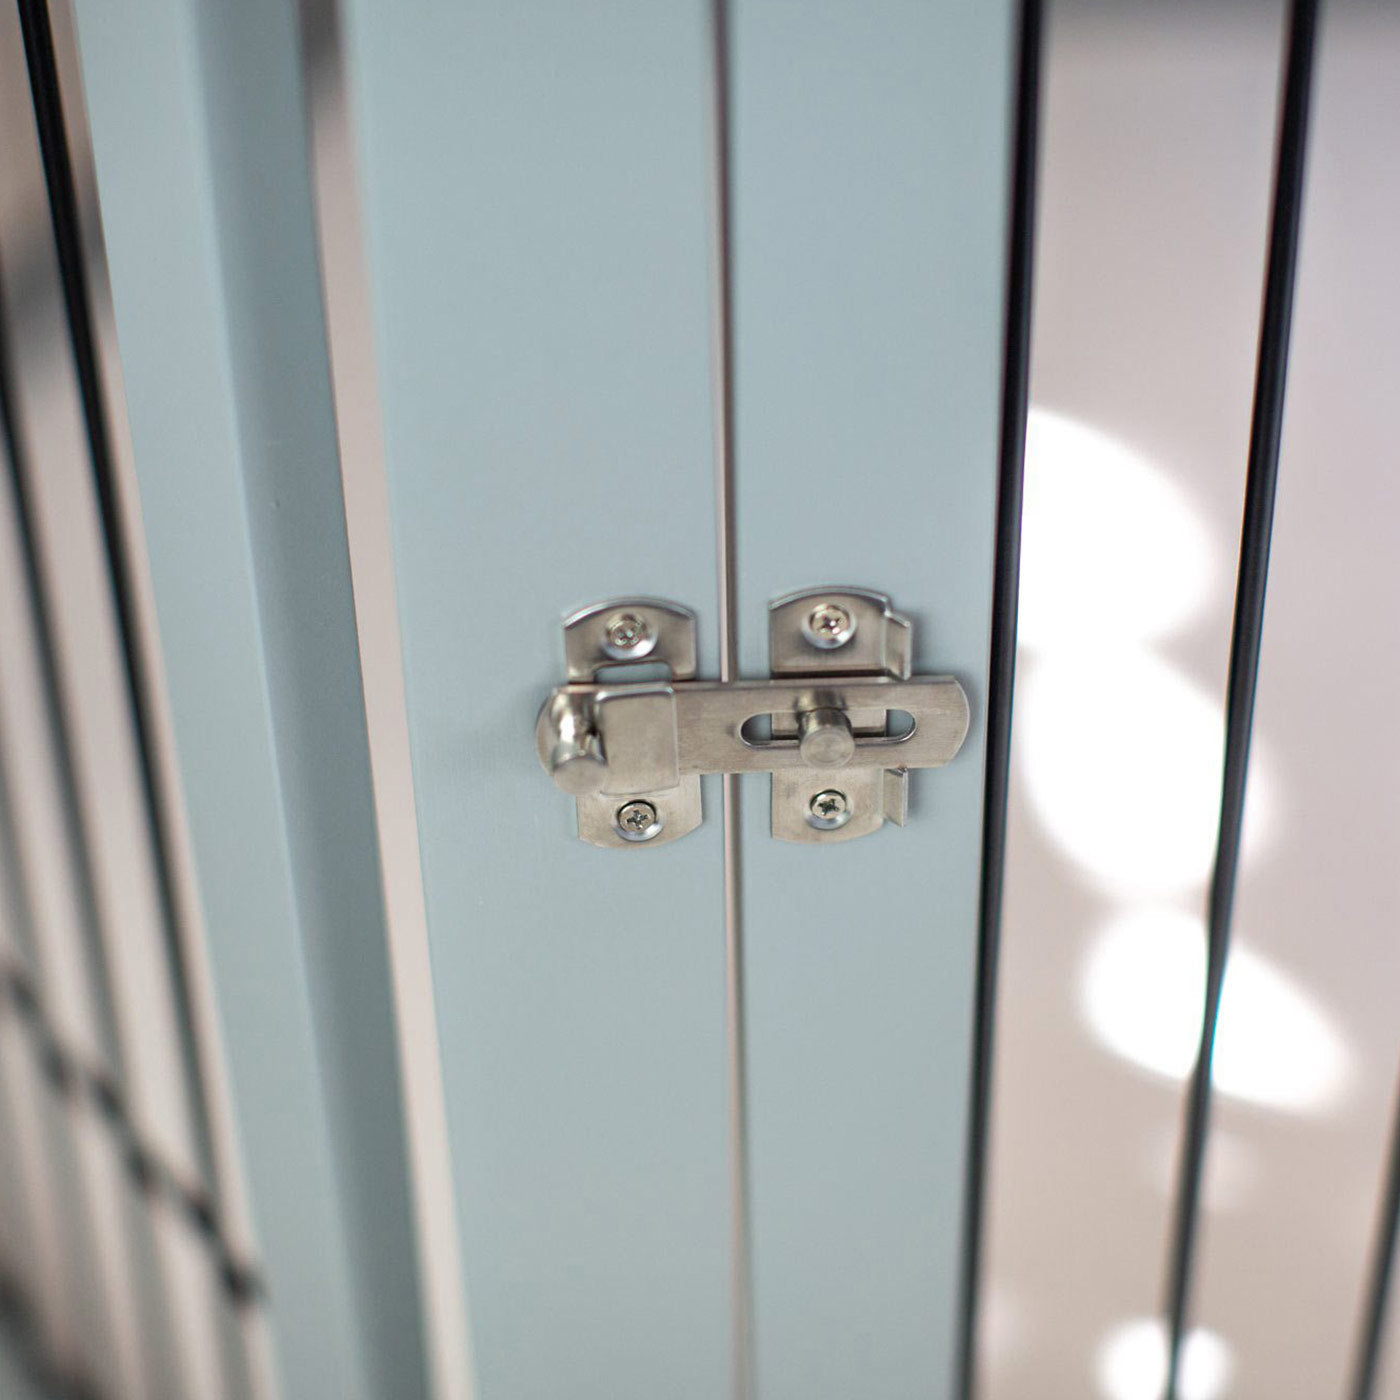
200 151
872 144
535 181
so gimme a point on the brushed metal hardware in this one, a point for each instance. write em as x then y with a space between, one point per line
638 821
629 637
828 810
846 635
828 626
632 751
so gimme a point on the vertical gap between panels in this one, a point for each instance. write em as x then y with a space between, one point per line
1375 1305
1015 398
354 386
726 561
1260 489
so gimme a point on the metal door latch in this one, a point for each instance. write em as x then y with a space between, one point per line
838 724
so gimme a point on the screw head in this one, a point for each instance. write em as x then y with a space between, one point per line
628 636
828 810
637 821
829 626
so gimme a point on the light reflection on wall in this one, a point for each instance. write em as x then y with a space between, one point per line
1112 549
1121 759
1132 1363
1119 753
1142 992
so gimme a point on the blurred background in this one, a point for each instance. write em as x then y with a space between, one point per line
1158 130
1157 135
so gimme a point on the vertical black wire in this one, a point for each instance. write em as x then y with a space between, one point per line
51 680
1376 1306
1266 432
1015 401
67 234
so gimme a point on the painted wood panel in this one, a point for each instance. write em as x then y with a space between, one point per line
871 189
535 184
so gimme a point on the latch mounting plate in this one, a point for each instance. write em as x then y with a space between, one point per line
632 744
838 632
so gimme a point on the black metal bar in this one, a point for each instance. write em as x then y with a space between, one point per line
64 217
1266 432
1015 402
1376 1308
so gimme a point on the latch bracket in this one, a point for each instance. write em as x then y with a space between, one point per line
838 724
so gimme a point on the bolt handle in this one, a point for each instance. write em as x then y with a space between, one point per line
576 759
825 738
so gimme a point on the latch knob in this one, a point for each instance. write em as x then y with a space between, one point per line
825 738
576 760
